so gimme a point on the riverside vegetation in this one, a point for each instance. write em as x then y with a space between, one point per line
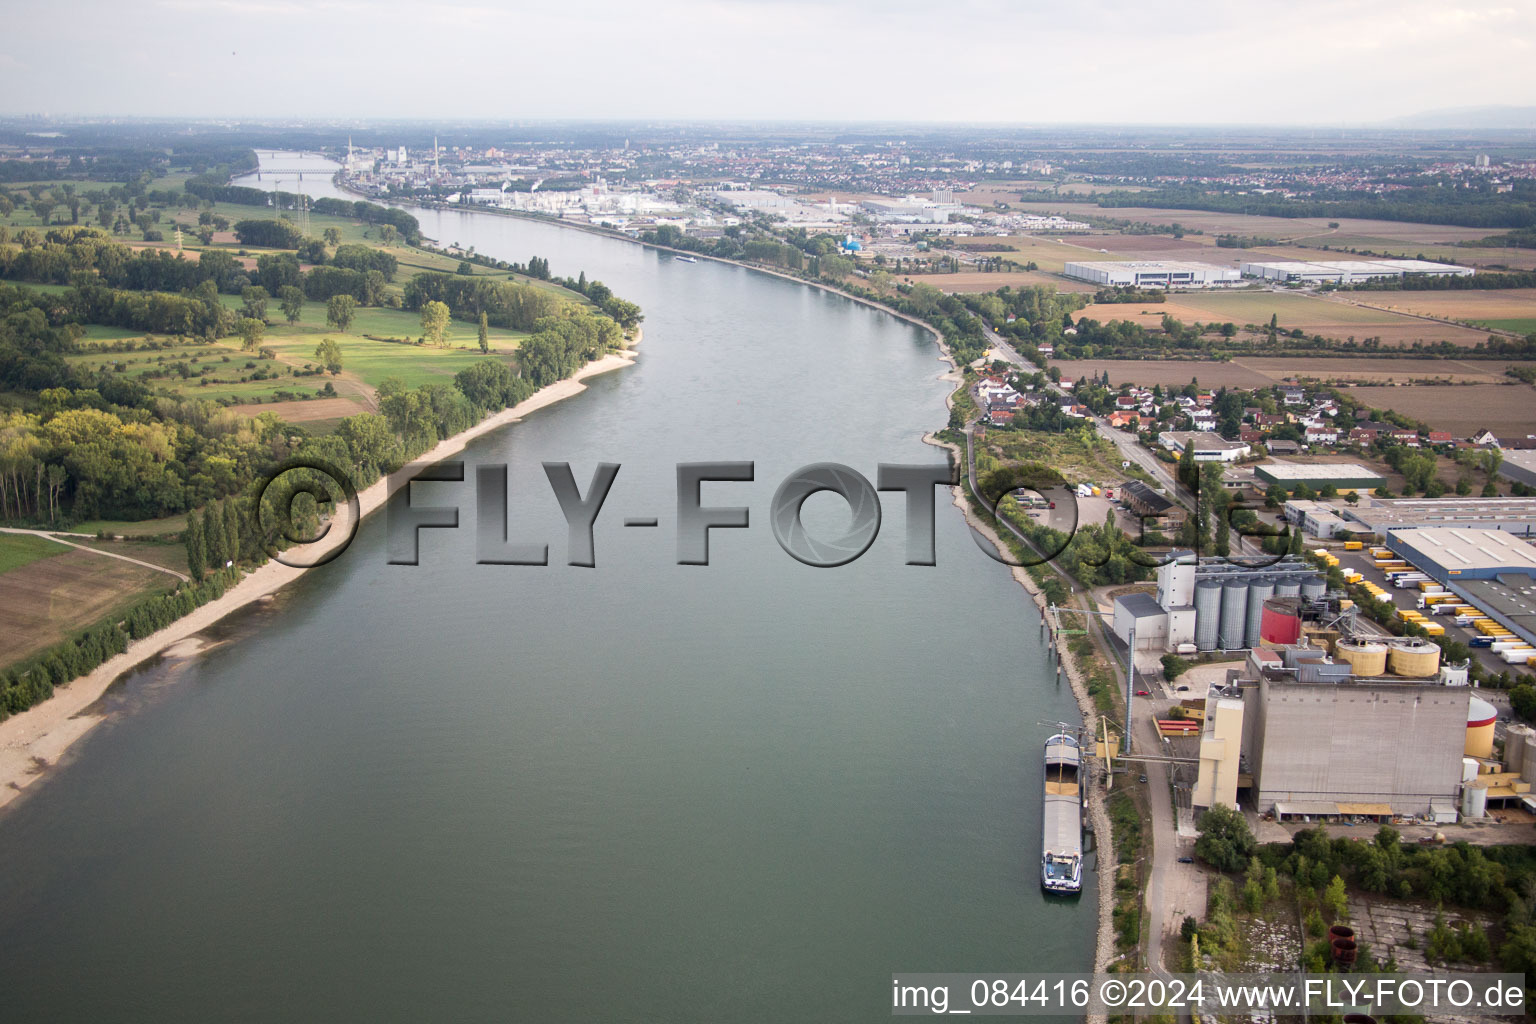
81 442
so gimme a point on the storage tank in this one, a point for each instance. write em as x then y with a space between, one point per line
1288 586
1314 588
1474 802
1481 717
1234 614
1259 591
1515 741
1367 657
1280 622
1413 657
1207 614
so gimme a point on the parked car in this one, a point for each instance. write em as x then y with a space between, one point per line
1186 860
1142 778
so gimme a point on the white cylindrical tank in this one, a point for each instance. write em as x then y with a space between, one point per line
1515 741
1474 802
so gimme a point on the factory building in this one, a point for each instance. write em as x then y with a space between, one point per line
1315 517
1347 271
1371 733
1152 274
1383 515
1519 465
1209 447
1221 605
1344 476
1448 553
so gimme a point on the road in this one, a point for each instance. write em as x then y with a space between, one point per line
1130 449
59 539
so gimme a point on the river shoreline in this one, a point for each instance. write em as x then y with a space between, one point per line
36 740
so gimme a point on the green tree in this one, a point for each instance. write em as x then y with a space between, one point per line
1225 841
1335 900
213 534
328 355
485 333
253 302
332 237
434 322
232 528
340 311
1522 700
291 298
251 331
197 552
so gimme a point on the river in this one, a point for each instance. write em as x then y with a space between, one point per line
748 791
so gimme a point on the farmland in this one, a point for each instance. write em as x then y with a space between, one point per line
976 281
1463 409
1331 318
1263 371
1046 253
1491 308
19 549
51 598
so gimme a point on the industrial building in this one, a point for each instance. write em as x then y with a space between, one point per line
1347 271
1154 509
1315 517
1220 605
1378 730
1343 475
1209 447
1447 553
1382 515
1519 465
1152 273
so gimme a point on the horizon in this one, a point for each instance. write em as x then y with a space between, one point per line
766 60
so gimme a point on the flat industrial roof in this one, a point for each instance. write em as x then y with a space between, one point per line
1154 265
1462 549
1204 440
1141 606
1318 470
1510 598
1382 514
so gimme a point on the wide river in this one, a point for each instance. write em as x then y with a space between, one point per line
748 791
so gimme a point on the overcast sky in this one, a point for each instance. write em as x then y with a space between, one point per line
1196 61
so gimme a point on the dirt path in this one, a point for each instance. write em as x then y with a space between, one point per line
59 539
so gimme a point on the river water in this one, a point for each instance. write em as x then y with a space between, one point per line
748 791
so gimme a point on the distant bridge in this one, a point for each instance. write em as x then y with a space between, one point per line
300 171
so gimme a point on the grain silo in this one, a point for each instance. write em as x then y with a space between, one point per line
1207 614
1481 718
1367 657
1234 614
1280 621
1413 657
1314 588
1516 741
1259 591
1288 586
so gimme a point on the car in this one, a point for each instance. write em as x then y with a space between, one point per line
1143 693
1186 860
1142 778
1182 689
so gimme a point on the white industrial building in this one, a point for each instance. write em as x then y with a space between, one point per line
1347 271
1152 273
1318 518
1208 447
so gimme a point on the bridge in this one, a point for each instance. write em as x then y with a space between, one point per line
300 171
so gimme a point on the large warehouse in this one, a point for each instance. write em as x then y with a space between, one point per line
1347 271
1382 515
1343 475
1152 273
1447 553
1209 447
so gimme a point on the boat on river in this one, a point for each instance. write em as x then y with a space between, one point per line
1061 841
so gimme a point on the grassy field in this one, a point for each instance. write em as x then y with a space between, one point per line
142 528
1046 253
1504 304
1314 229
51 598
172 555
19 549
976 281
1520 325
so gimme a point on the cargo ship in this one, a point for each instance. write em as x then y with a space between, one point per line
1061 845
686 259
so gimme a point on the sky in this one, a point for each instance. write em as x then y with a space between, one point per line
1010 61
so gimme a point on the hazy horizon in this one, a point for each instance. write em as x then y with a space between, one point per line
1352 64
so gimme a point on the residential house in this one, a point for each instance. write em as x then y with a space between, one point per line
1441 437
1405 437
1321 435
1293 396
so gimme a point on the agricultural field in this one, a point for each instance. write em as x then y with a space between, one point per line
1313 229
1463 409
1264 371
1512 306
51 598
1047 253
170 554
1332 318
976 281
19 549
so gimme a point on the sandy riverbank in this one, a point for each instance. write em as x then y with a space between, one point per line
35 740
